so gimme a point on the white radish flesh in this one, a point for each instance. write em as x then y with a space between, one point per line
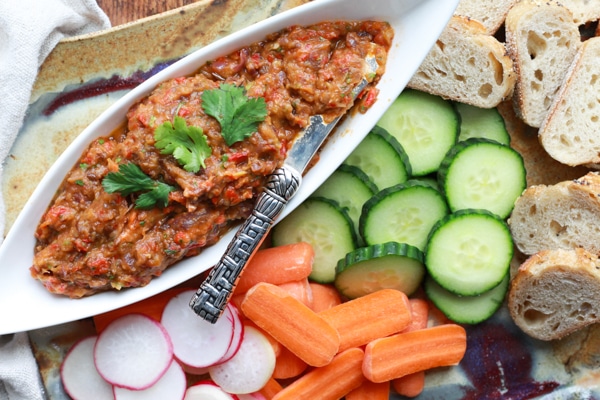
207 391
251 367
79 376
196 342
133 352
171 386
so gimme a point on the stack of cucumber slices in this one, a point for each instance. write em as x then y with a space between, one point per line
421 202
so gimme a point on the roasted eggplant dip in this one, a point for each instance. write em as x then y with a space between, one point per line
193 155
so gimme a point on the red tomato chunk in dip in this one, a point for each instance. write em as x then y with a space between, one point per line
90 240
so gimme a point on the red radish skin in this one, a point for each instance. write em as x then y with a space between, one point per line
250 369
133 351
79 376
196 342
171 386
208 390
238 332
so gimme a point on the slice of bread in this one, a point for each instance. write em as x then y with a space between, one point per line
561 216
555 293
583 10
467 65
491 14
542 41
569 133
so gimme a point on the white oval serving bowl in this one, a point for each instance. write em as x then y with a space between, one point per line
24 302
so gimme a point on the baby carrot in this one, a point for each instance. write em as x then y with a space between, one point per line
271 389
330 382
276 265
369 317
405 353
370 391
324 296
300 290
288 365
293 324
412 385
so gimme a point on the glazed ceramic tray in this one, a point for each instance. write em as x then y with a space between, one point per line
84 76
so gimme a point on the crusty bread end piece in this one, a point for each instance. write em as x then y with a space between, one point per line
467 65
555 293
570 131
491 14
542 41
561 216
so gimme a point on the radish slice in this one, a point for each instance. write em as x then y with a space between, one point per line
251 367
79 376
207 390
238 331
171 385
133 352
196 342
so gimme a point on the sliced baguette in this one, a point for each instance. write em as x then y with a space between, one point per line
491 14
561 216
542 41
569 133
583 10
555 293
466 65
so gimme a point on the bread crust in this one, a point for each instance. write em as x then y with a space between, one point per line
555 293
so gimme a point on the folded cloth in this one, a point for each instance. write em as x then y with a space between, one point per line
29 30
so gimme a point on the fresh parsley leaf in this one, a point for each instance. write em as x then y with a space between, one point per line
131 179
187 144
238 114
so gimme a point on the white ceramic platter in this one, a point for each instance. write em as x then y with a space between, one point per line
25 304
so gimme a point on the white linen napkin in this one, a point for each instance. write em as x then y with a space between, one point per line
29 30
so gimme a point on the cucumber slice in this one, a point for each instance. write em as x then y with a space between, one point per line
481 122
467 309
382 158
469 252
481 173
382 266
404 213
425 125
326 226
350 187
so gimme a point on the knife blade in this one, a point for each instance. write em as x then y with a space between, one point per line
212 296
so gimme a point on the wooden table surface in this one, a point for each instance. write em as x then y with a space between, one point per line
120 11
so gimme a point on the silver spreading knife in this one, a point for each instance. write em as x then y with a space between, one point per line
210 299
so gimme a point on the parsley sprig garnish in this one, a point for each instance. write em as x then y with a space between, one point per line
131 179
238 114
187 144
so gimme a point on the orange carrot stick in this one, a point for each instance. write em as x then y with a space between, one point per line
288 365
324 296
406 353
330 382
412 385
300 290
151 307
271 389
277 265
293 324
370 391
369 317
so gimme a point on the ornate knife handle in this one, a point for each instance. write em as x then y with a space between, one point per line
214 293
